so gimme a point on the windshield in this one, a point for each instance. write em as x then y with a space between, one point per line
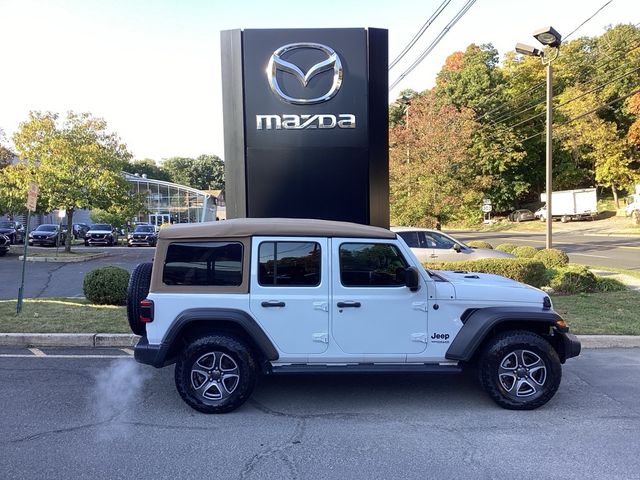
7 225
47 228
145 228
101 226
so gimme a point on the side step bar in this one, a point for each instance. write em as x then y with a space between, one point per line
302 368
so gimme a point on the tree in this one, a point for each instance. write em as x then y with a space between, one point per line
205 172
149 168
432 175
121 212
6 155
75 161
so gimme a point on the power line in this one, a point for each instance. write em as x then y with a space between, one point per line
417 36
582 115
588 19
519 74
435 42
536 103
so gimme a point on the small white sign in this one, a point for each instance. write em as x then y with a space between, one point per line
486 208
486 201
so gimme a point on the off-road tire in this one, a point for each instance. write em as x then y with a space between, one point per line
137 290
496 352
233 349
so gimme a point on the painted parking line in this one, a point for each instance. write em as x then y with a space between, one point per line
128 351
18 355
37 352
588 255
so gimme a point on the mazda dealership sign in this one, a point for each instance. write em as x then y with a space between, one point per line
305 118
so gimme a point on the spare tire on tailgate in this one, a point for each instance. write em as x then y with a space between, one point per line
138 290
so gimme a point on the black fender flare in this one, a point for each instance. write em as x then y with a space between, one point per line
478 325
158 355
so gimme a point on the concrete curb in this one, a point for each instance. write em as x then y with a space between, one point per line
84 258
121 340
68 339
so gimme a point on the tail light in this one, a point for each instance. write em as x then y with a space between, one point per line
146 311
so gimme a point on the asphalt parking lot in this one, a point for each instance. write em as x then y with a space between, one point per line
63 279
112 418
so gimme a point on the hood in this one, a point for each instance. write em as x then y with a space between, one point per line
490 253
489 287
7 229
100 231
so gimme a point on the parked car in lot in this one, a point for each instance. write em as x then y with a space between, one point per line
522 215
229 301
13 230
143 235
5 243
101 234
80 230
48 235
435 246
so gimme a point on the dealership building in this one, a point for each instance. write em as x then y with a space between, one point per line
168 202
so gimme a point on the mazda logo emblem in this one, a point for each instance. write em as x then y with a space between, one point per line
331 63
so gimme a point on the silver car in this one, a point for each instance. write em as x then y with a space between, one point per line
435 246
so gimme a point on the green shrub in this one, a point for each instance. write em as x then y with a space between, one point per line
574 279
506 247
106 286
524 252
605 284
552 257
479 244
525 270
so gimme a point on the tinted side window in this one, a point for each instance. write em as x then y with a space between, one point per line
440 241
371 265
289 263
411 239
203 263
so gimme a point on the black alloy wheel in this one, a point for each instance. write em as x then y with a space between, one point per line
519 370
215 374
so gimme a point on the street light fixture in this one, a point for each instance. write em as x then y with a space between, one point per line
551 38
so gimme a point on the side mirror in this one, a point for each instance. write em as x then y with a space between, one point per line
457 248
412 279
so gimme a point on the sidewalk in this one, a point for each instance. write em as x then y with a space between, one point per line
632 283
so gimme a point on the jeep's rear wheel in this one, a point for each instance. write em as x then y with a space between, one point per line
215 374
520 370
137 290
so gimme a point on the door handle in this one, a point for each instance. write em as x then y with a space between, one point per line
272 304
348 304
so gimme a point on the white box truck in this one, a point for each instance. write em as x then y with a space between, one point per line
567 205
633 202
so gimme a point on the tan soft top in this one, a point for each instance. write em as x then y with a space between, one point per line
293 227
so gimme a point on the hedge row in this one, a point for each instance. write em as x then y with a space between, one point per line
479 244
525 270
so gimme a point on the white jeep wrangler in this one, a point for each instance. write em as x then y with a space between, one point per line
226 301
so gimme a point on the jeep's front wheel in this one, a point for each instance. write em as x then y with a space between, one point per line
215 374
520 370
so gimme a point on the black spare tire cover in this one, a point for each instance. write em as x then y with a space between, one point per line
138 290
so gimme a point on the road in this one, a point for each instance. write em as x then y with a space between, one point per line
585 248
110 418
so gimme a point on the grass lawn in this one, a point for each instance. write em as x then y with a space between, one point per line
62 315
611 313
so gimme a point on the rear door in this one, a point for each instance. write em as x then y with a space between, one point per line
290 292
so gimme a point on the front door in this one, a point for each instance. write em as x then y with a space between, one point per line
290 292
373 311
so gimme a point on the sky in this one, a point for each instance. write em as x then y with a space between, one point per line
151 68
